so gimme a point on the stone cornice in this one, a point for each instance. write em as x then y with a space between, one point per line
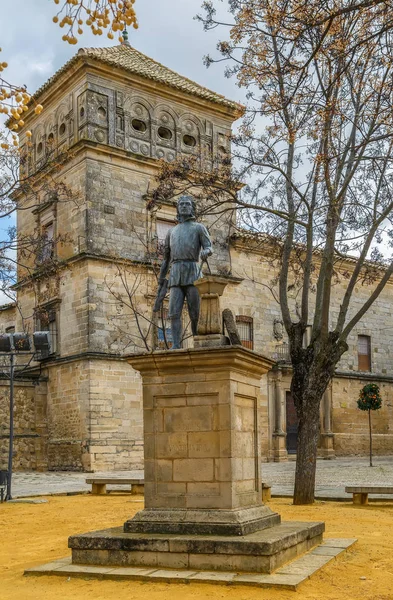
286 369
259 243
363 376
77 69
50 361
208 360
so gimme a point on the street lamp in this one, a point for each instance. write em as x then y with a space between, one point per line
12 344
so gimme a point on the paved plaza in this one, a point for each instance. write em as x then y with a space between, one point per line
332 477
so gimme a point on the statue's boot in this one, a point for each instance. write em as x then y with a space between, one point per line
194 326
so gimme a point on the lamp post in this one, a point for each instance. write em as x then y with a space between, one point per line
11 440
12 344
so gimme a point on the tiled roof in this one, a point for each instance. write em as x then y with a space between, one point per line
133 61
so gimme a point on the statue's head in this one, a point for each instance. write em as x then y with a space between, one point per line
185 208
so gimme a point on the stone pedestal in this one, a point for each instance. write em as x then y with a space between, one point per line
327 450
280 453
210 288
202 449
203 490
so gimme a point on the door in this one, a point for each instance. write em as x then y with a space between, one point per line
292 424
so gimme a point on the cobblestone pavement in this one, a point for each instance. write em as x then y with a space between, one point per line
59 482
332 477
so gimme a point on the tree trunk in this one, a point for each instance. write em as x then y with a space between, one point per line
371 438
313 369
307 445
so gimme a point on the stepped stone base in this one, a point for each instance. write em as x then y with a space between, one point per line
288 577
258 552
203 522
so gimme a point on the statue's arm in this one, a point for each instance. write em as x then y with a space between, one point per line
167 258
206 242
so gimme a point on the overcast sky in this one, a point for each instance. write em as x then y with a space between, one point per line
168 32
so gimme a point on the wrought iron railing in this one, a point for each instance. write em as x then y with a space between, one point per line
281 353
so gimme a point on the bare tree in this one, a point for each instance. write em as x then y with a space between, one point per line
24 255
315 152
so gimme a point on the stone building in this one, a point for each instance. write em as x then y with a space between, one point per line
117 113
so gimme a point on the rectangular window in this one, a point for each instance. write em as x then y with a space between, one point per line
164 332
162 229
47 321
46 226
10 329
245 327
364 353
47 247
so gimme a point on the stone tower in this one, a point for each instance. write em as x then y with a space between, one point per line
116 113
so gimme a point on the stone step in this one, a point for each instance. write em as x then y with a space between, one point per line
260 552
290 576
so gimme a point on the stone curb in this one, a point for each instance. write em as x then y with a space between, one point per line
278 495
288 577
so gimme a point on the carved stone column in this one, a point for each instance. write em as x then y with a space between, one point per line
279 438
327 436
278 407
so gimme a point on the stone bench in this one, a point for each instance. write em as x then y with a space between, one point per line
99 484
266 492
360 492
137 485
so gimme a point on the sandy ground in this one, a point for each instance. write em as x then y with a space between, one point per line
32 534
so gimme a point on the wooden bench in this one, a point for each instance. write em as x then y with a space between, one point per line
360 492
99 484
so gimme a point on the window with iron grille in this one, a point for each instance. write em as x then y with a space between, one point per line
164 332
46 247
46 320
46 225
364 353
245 327
162 229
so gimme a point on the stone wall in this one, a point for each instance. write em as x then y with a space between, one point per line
350 424
30 431
251 297
68 409
116 423
94 416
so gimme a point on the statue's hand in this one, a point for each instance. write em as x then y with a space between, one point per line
205 253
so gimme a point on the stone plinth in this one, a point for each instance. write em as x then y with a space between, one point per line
259 552
202 449
203 489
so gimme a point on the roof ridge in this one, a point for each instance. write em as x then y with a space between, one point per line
144 66
128 48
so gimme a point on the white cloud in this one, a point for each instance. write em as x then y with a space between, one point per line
167 32
43 67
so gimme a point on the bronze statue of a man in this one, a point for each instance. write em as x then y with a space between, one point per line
185 244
